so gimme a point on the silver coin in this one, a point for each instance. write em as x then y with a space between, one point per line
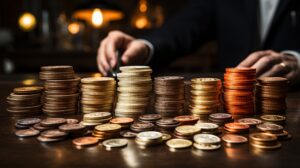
115 143
206 139
207 146
28 121
149 135
207 126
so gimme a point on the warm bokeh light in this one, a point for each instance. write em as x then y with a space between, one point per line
96 75
29 82
143 6
142 22
27 21
74 28
97 18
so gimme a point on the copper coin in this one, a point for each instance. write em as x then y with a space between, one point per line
121 120
27 133
142 125
28 90
262 137
249 121
220 116
55 133
235 139
85 141
167 121
53 121
45 139
186 118
28 121
71 127
237 126
266 127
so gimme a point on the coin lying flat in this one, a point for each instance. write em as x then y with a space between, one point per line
128 134
53 121
27 133
179 143
234 139
149 135
53 133
85 141
115 143
206 139
207 146
28 90
71 127
108 127
249 121
28 121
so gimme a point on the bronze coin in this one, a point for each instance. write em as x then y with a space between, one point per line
85 141
55 133
230 138
71 127
53 121
27 133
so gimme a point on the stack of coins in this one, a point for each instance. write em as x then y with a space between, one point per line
271 95
239 91
264 141
249 121
186 132
25 101
61 90
73 129
169 95
134 88
275 119
149 138
142 126
124 122
207 142
208 128
274 129
220 118
52 136
167 125
237 128
26 123
150 118
187 119
97 94
107 131
97 118
205 96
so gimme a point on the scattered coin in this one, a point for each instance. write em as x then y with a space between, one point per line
234 139
85 141
115 143
27 133
179 143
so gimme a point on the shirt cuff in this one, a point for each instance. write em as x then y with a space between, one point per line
151 50
293 53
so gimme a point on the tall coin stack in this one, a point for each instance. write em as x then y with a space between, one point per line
25 101
169 95
97 94
239 91
271 95
134 89
61 90
205 96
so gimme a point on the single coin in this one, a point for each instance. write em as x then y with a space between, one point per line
97 115
57 68
207 126
273 118
220 116
97 80
149 135
142 125
108 127
262 137
72 121
249 121
46 140
28 90
27 133
187 129
55 133
85 141
237 126
179 143
71 127
265 147
234 139
206 139
121 120
115 143
166 136
128 134
28 121
207 147
269 127
150 117
53 121
186 118
129 68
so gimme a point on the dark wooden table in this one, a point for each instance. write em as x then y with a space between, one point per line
15 152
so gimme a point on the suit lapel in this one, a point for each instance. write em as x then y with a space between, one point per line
252 12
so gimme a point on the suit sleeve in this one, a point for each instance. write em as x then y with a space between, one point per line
183 34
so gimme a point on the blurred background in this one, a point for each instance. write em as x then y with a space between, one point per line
34 33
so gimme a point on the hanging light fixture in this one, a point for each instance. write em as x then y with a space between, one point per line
141 20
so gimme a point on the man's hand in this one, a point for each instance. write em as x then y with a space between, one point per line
271 63
134 51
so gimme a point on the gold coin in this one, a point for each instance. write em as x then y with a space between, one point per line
179 143
108 127
97 80
187 129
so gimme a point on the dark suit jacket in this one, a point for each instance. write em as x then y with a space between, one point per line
234 26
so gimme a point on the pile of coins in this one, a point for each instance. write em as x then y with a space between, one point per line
208 128
167 124
97 118
106 131
237 128
186 132
97 94
123 121
25 101
142 126
264 141
187 119
169 95
134 89
220 118
271 95
207 142
61 90
205 96
239 91
274 129
152 118
149 138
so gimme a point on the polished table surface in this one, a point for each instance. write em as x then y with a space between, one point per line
15 152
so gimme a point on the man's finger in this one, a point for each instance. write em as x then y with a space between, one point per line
277 70
253 58
265 63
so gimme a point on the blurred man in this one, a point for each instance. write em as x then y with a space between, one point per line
262 34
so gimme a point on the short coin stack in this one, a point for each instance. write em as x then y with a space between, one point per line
134 89
124 122
52 136
167 124
220 118
149 138
61 90
274 129
207 142
106 131
152 118
237 128
169 95
239 91
271 95
25 101
187 119
97 94
275 119
142 126
97 118
205 96
264 141
186 131
73 129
